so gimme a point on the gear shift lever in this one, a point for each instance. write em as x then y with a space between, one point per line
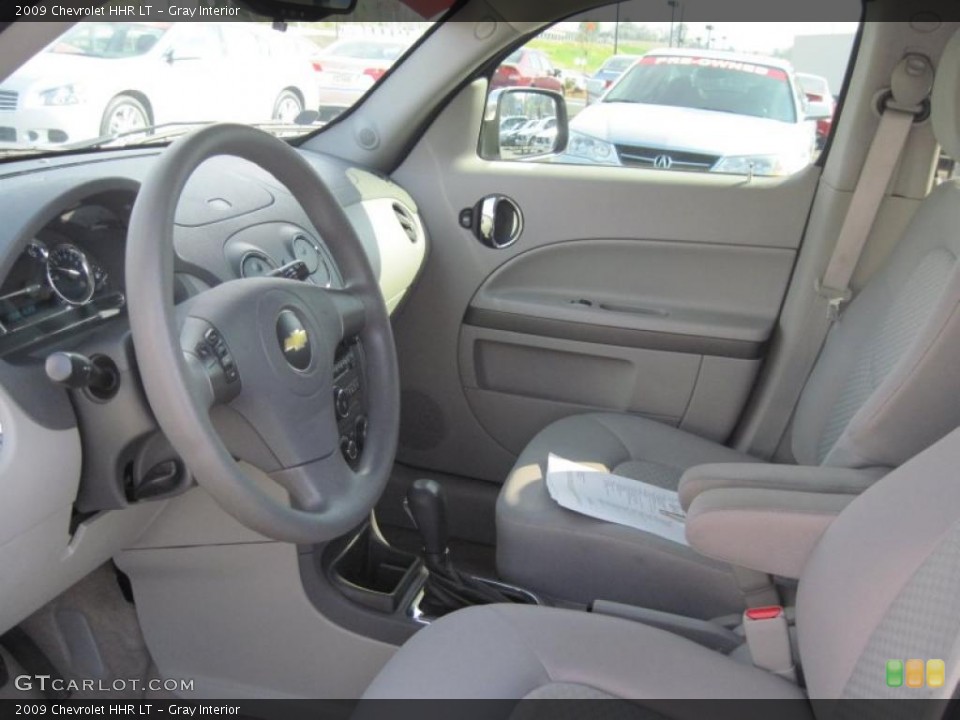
446 588
428 508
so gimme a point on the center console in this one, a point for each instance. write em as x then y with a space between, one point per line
362 582
366 585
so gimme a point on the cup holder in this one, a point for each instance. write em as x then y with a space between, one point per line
373 574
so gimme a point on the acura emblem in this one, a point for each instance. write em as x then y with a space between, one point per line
663 162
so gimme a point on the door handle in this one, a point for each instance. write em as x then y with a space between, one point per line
496 221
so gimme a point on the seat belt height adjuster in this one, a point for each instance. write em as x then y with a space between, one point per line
836 299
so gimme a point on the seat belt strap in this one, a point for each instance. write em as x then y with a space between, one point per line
885 150
910 86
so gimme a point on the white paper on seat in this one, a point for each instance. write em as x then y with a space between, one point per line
616 499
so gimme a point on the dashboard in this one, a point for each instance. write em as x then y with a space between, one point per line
234 222
81 472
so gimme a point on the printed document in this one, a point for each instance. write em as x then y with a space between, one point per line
615 499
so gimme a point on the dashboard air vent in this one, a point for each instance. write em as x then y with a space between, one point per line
409 225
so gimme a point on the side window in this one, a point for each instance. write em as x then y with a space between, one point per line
744 98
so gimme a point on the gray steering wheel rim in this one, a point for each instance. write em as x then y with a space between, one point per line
164 370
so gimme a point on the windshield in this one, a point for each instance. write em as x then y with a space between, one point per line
109 40
708 83
107 84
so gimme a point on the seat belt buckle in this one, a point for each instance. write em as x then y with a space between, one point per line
768 639
836 299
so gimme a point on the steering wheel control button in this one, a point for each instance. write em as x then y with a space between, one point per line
361 432
210 348
348 401
348 447
294 340
341 401
343 366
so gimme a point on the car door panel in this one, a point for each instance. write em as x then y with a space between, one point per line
641 326
629 290
694 290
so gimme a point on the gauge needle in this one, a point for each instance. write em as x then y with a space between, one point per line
67 271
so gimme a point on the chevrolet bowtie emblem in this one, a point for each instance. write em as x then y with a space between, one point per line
295 341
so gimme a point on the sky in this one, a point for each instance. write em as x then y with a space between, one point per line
756 37
766 36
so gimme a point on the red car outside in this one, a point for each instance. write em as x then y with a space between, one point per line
527 68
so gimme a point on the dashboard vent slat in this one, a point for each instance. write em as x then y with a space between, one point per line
407 223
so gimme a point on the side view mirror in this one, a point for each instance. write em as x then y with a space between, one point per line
818 110
524 124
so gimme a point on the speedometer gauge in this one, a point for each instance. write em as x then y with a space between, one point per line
256 264
70 274
305 250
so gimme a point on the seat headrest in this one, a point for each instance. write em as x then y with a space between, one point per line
945 102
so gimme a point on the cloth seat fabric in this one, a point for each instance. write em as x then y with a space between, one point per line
573 557
516 652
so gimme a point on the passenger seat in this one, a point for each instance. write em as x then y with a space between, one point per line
858 620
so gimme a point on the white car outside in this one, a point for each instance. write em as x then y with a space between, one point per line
347 69
700 110
104 79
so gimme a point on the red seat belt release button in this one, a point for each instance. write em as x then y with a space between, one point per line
764 613
768 638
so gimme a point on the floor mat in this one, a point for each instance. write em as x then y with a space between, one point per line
91 633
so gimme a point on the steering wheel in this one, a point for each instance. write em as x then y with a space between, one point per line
280 336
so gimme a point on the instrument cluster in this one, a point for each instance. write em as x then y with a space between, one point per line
72 274
281 249
68 277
